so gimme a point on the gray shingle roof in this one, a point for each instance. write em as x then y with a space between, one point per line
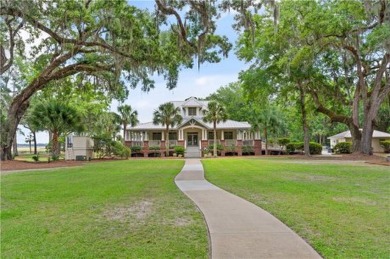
347 134
229 124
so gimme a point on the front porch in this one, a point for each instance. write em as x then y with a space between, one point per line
196 141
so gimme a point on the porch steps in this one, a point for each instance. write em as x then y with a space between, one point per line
192 152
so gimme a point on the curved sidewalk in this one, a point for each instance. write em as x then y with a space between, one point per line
238 228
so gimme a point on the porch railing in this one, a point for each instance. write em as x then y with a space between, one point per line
211 142
172 143
154 143
137 143
230 142
247 143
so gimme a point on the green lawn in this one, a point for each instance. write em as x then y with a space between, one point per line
342 210
122 209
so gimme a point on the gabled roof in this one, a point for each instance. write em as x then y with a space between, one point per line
190 102
193 102
347 134
193 121
229 124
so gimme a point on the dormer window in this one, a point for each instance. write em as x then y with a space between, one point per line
191 111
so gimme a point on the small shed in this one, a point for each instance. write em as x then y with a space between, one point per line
346 136
78 148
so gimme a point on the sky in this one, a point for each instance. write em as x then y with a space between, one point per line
192 82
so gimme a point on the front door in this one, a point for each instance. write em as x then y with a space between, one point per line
192 139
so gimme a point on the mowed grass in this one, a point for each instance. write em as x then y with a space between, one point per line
342 210
121 209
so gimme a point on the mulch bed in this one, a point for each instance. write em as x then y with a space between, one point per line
23 165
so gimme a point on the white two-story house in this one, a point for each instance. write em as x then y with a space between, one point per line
233 137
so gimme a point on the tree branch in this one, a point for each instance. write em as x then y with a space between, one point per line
4 66
62 40
170 11
332 115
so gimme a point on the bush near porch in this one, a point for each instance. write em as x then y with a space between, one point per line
386 145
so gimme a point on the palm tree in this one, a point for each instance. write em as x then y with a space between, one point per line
215 113
128 117
58 118
270 120
168 116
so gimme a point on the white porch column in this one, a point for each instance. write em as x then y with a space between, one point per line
162 135
146 136
222 135
181 134
239 135
257 134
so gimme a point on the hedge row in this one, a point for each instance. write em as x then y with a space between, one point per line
315 148
343 148
386 145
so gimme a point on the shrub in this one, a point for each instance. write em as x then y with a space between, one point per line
118 149
343 148
55 157
179 150
293 146
386 145
154 148
135 149
211 147
315 148
247 149
219 148
290 148
283 141
36 157
230 148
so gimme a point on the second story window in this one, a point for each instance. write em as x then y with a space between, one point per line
191 111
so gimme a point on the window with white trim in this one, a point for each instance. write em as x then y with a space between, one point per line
191 111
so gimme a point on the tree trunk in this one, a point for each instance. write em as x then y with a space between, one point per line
35 142
15 113
215 139
366 142
306 133
54 144
15 147
124 132
29 143
167 141
266 141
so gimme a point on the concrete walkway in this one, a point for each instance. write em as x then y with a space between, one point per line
238 228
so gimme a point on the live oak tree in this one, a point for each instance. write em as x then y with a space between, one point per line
109 42
338 52
232 97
